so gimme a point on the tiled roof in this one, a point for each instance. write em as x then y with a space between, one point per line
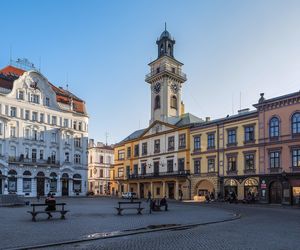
136 134
10 73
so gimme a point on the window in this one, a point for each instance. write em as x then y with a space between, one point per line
1 128
27 133
35 98
120 172
296 158
54 120
249 162
136 150
296 123
143 168
34 135
66 123
47 102
26 183
171 143
12 131
274 127
21 95
170 164
79 126
249 134
121 155
144 148
77 142
13 111
181 141
128 152
77 159
34 116
135 169
27 114
275 159
197 166
53 157
67 157
197 145
157 146
210 141
157 102
33 155
42 133
101 158
74 125
174 102
211 165
13 152
53 137
41 117
101 173
231 163
41 154
181 164
231 133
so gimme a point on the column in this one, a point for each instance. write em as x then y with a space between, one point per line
176 190
138 190
58 187
70 184
164 188
19 185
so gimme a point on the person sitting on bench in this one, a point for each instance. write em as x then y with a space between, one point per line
164 203
50 201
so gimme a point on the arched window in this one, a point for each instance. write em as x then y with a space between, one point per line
274 127
296 123
174 102
12 181
27 173
77 183
53 182
157 102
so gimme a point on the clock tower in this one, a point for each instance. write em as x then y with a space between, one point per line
166 80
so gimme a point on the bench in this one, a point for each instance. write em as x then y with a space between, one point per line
137 206
62 211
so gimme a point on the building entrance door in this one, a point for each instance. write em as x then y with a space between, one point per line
171 190
142 190
40 186
275 192
156 168
65 187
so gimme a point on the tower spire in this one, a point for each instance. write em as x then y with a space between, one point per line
165 26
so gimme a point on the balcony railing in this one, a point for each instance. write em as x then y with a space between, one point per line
166 69
180 173
31 161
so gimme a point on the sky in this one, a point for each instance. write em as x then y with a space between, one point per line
232 51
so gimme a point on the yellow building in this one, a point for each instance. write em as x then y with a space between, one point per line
157 159
224 156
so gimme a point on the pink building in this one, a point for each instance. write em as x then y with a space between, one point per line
279 148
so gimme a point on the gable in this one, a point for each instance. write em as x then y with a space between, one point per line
158 127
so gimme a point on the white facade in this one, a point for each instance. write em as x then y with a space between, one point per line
43 142
101 159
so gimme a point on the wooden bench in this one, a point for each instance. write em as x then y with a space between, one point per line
62 211
137 206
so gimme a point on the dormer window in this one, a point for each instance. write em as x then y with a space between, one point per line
47 102
35 98
21 95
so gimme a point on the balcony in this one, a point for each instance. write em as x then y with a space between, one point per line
231 172
31 161
180 173
163 70
275 170
249 171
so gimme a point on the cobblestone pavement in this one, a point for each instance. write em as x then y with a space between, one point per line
93 215
261 227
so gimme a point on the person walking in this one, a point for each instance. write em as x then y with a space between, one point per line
149 196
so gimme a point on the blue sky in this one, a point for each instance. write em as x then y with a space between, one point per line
103 48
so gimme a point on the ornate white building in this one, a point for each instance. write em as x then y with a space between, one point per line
43 136
101 159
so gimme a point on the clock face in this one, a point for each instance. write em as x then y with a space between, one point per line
174 87
156 87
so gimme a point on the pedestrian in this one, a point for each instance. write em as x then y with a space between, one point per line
180 194
51 202
149 196
163 202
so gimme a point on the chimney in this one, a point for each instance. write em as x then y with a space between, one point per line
91 142
182 108
207 119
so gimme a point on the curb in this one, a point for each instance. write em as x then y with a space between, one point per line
125 233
